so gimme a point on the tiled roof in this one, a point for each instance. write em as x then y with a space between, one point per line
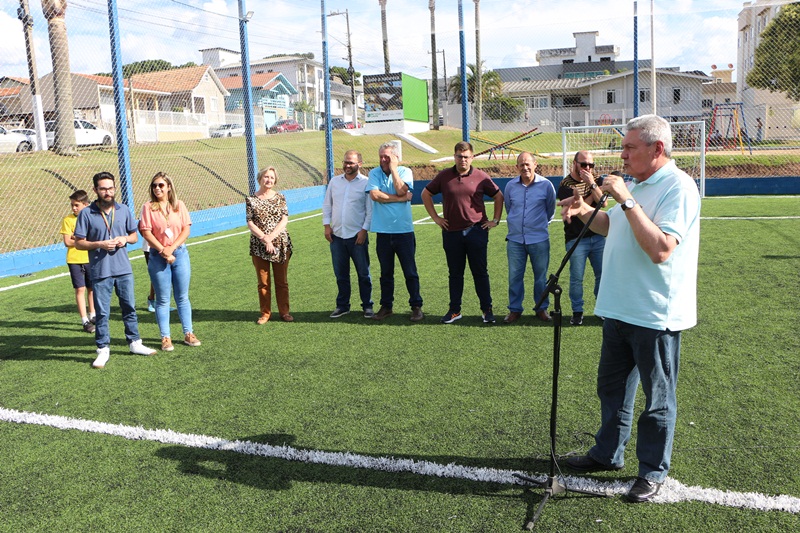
11 91
108 81
541 85
175 80
256 80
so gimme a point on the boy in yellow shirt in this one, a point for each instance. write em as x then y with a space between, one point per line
78 261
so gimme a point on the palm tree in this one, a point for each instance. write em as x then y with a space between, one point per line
54 12
491 85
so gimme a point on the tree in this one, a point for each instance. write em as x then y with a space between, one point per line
303 110
777 58
148 65
342 73
64 138
504 108
491 85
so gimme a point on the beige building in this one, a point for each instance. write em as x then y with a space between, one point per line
779 114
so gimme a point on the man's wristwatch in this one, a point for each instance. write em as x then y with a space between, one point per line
593 186
496 221
630 203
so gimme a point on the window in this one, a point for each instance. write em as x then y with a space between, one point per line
536 102
676 95
611 96
213 104
707 102
644 95
605 59
568 61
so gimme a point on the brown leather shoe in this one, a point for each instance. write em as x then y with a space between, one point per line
543 315
512 317
287 318
416 314
382 313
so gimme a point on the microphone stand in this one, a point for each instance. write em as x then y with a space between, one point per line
552 485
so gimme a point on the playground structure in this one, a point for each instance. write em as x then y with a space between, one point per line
735 128
505 145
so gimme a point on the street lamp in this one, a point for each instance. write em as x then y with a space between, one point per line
350 71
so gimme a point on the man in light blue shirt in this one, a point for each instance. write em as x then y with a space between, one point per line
390 186
530 201
648 296
346 216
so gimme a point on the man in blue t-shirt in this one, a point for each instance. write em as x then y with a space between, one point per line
648 295
390 186
105 229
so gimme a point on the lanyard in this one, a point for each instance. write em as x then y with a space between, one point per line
109 225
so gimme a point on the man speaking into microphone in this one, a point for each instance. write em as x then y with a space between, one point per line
648 295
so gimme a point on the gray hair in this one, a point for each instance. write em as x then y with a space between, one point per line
390 145
653 128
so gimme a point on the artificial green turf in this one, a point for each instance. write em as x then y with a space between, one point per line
464 393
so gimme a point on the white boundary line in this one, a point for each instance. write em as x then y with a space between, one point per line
422 221
671 492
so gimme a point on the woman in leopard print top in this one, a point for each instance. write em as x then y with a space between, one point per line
270 244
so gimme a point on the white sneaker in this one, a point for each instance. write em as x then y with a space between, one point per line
102 357
138 348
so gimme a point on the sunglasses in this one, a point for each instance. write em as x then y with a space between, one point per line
585 165
158 185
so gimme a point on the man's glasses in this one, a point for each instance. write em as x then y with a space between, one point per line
463 156
105 189
158 185
585 165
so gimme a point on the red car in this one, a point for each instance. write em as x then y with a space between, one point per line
286 125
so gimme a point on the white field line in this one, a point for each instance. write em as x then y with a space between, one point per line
672 491
134 258
421 221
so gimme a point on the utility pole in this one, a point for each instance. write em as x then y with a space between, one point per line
478 74
434 72
464 92
24 15
350 70
386 67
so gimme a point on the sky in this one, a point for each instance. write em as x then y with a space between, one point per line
689 34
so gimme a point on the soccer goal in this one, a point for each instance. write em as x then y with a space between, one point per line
605 144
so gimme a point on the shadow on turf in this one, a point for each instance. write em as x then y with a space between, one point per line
269 473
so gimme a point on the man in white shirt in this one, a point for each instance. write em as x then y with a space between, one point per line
346 216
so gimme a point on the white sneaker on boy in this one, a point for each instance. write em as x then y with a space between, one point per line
102 357
138 348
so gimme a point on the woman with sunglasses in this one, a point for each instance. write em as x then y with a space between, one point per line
270 245
165 225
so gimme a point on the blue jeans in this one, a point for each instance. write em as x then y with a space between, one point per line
342 251
518 255
102 307
590 248
629 353
404 246
167 279
460 247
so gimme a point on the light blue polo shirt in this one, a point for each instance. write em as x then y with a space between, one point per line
396 216
635 290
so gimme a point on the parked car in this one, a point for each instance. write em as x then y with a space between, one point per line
352 126
286 125
228 130
86 133
29 134
11 142
336 124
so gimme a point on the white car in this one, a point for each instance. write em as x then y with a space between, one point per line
228 130
86 133
11 142
30 134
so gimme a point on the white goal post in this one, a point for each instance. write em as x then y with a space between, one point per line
604 142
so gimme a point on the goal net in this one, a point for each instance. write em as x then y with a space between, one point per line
605 144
